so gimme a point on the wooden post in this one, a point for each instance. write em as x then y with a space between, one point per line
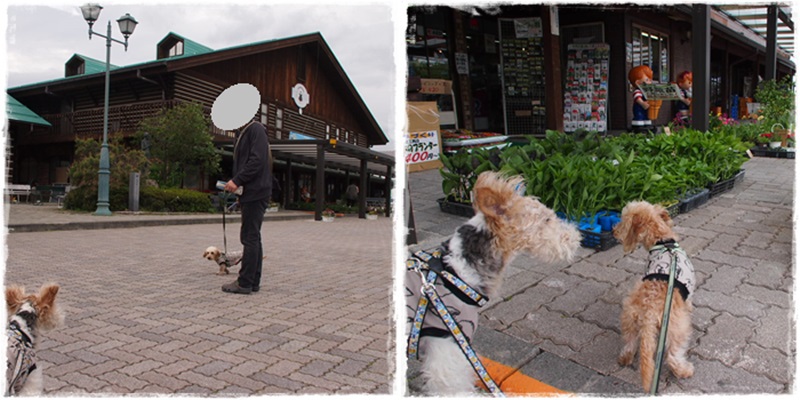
463 83
362 191
320 201
771 61
701 65
554 92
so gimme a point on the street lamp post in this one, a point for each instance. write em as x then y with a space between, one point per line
127 24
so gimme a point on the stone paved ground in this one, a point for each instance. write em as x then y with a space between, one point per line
145 313
563 320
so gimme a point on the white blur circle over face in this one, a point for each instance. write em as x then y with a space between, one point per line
235 106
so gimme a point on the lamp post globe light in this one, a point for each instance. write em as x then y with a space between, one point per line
91 11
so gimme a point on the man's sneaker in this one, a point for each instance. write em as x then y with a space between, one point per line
234 287
255 288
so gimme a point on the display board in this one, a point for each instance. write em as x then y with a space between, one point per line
522 66
661 91
586 87
423 140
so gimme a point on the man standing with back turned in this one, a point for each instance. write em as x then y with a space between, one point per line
251 174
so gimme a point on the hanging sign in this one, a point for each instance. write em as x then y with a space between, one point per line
435 86
300 96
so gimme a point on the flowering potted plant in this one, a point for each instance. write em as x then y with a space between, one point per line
328 215
764 139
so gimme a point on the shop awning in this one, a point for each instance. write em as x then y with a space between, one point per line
754 17
16 111
337 154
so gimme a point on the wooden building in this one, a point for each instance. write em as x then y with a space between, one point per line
510 64
335 120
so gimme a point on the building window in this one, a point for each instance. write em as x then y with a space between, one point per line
652 49
176 49
427 42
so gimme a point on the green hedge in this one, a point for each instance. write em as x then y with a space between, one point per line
581 174
150 199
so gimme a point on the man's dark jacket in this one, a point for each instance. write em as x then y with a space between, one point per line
251 163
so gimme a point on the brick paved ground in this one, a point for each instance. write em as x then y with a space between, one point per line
563 320
145 313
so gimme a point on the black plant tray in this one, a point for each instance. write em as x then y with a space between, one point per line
599 241
693 201
716 189
738 178
674 210
456 208
766 152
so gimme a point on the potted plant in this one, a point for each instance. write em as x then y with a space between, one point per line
372 213
328 215
764 139
273 206
777 103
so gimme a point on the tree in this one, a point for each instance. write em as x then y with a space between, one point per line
122 160
178 139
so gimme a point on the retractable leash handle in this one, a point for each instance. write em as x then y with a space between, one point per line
662 337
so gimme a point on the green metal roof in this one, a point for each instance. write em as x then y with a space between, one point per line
190 47
92 66
16 111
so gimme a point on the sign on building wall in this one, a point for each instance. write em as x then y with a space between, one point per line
423 141
528 28
462 63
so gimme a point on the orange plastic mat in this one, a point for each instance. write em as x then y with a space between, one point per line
512 381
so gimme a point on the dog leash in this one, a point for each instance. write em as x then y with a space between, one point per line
662 337
225 196
422 262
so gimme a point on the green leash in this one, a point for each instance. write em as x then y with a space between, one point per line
662 338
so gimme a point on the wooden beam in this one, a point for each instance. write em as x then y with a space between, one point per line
771 61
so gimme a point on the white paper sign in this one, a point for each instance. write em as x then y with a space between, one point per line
422 147
462 63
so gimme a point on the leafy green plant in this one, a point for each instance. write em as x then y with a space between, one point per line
777 101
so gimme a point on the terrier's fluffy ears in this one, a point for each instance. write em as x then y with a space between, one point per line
493 192
44 302
643 223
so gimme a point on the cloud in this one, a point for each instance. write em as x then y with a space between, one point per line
40 39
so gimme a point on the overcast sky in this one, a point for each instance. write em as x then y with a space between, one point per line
39 38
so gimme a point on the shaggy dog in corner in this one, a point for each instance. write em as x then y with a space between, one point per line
28 314
643 309
505 224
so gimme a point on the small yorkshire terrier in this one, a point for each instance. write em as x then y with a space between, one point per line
643 309
505 223
224 260
28 315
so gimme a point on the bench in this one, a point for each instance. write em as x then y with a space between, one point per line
15 189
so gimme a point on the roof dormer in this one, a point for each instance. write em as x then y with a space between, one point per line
174 45
82 65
